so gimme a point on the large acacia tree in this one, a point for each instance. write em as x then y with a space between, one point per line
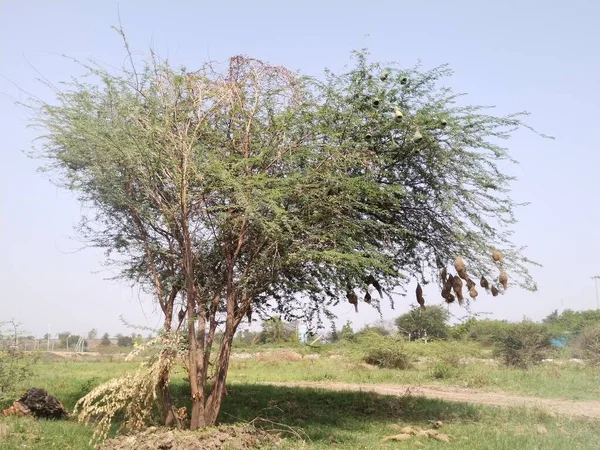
248 188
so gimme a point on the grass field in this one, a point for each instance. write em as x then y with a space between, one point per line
343 419
569 381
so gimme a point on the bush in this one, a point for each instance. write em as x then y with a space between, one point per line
385 351
487 332
382 331
524 344
389 358
442 371
587 344
571 322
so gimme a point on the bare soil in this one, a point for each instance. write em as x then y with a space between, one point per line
224 437
589 409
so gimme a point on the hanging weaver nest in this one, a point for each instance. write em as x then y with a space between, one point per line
484 283
444 275
497 256
353 300
503 279
457 285
459 265
420 298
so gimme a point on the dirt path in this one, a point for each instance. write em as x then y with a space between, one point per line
590 409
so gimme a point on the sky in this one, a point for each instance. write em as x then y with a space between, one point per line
539 56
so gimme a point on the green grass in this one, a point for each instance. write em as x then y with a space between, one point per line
354 420
551 381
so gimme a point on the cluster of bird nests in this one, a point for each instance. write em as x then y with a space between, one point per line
452 285
376 102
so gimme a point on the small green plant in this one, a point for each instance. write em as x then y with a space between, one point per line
15 365
524 344
441 370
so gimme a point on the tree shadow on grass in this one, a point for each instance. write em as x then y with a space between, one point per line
320 413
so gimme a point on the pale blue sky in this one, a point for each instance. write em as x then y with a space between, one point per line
542 56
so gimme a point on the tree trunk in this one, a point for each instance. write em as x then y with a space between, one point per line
163 381
213 403
196 371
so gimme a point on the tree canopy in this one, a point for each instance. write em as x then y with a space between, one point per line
431 323
246 188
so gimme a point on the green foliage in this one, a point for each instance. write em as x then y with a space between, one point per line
487 332
441 370
276 331
251 188
570 322
15 366
92 334
347 333
587 344
461 330
356 199
524 344
419 323
385 351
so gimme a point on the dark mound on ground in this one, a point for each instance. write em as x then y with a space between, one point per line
38 403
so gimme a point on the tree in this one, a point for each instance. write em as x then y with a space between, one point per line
276 331
65 339
419 323
124 341
347 333
252 189
105 340
92 334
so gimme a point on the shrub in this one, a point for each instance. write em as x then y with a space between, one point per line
382 331
487 332
441 370
587 344
571 322
385 351
389 358
524 344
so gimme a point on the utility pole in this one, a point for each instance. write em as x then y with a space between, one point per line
596 278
